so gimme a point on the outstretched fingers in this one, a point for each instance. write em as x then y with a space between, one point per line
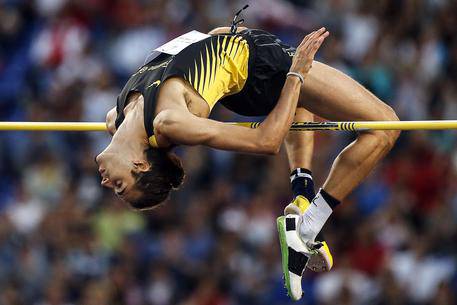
315 45
311 37
304 55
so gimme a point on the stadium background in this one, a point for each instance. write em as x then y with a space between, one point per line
64 240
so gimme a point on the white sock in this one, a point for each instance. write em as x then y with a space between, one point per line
314 218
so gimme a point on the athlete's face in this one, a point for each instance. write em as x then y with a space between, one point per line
116 174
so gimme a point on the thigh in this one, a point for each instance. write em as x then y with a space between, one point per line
335 96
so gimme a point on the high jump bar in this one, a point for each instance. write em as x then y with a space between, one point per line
296 126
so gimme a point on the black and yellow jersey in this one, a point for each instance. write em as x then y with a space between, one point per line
219 69
215 67
244 71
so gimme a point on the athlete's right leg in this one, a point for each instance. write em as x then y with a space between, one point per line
333 95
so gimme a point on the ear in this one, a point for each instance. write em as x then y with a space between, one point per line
141 165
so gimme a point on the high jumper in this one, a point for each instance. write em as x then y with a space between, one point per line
168 100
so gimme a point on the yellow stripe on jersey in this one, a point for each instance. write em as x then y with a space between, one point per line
215 58
213 63
201 78
195 84
207 70
221 70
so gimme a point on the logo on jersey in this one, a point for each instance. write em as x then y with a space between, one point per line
151 68
156 84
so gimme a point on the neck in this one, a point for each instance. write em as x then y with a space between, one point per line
131 138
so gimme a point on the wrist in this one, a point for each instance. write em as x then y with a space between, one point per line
293 83
296 75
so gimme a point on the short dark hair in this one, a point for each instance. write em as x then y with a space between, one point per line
165 173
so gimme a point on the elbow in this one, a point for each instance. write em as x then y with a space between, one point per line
269 144
274 150
110 128
270 147
110 122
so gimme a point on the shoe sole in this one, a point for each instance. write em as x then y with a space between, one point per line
322 260
280 222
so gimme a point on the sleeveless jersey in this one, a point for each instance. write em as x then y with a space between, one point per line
215 67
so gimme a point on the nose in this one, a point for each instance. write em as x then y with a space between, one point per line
107 183
97 158
101 169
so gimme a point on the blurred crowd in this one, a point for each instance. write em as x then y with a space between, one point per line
66 241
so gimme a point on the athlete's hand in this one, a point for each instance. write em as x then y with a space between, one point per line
304 56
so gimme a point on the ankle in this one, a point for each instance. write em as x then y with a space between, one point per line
331 201
302 183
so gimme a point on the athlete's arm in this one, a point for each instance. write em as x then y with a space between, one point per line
225 30
181 127
110 121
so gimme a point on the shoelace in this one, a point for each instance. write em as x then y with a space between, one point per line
315 246
237 22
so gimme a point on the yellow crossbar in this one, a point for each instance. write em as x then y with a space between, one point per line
53 126
296 126
367 125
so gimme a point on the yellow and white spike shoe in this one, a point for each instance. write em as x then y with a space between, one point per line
321 259
294 255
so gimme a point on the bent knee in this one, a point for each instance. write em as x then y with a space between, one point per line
391 135
384 139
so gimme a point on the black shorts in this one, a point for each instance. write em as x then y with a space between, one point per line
269 62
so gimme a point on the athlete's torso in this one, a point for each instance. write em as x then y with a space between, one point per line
215 67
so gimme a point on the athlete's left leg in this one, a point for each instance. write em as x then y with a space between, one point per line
295 254
300 145
299 148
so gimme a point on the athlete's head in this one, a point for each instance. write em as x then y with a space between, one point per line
144 184
154 184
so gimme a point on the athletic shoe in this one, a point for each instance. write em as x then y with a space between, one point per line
321 259
294 254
